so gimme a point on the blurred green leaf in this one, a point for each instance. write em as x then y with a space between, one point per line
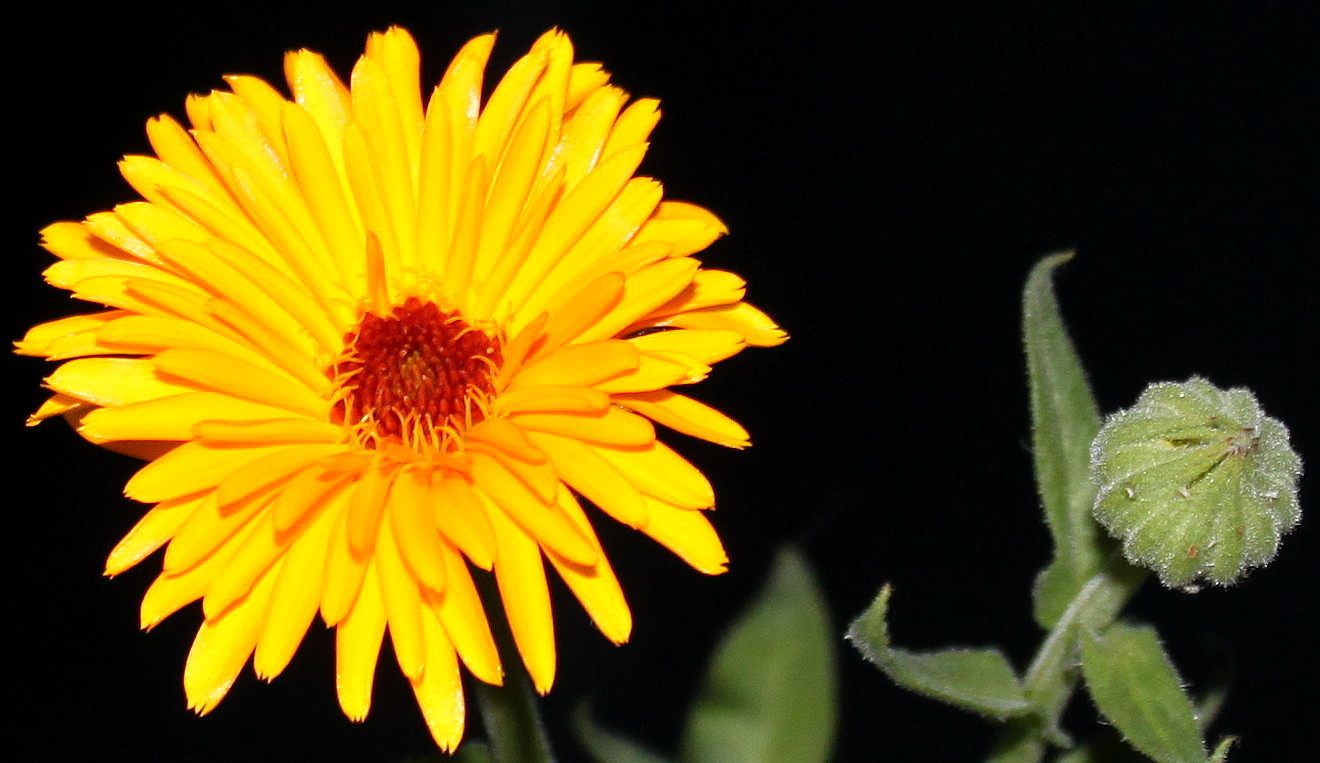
609 746
1221 750
1134 685
980 680
1064 421
770 691
472 752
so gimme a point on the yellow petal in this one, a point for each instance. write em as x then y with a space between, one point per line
550 399
222 647
755 326
709 288
584 79
368 506
464 621
170 418
113 381
579 365
59 405
439 690
260 550
39 338
169 593
613 426
461 518
345 571
689 535
609 233
412 512
154 530
572 217
270 471
506 104
507 438
595 587
634 125
646 289
691 417
658 471
70 274
161 333
585 133
315 172
191 468
357 646
403 605
288 430
511 186
587 472
576 309
208 529
526 599
177 149
295 599
319 91
223 373
308 492
708 346
540 519
686 228
656 371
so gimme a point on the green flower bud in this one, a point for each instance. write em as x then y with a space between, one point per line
1197 482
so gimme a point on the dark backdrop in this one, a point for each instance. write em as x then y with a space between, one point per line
888 178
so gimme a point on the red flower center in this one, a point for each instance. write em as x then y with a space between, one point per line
413 376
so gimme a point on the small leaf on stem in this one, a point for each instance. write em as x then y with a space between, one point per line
1064 420
980 680
1135 686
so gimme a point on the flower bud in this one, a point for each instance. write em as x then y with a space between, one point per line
1197 482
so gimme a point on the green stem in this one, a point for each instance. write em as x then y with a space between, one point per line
1050 679
509 712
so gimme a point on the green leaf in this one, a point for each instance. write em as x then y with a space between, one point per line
1107 751
770 692
609 746
1221 750
980 680
1134 685
1064 421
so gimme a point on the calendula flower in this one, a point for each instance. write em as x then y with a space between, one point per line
366 343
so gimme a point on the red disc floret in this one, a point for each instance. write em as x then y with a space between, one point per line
415 373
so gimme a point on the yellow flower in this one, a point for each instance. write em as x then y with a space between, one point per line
366 343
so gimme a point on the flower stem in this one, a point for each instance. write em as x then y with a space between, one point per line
509 712
1050 679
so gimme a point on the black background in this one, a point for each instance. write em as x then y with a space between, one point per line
889 178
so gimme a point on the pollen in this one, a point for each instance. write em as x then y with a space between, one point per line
417 376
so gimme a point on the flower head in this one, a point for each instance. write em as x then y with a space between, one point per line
366 344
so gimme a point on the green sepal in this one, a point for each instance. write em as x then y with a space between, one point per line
609 746
1197 482
1135 686
770 691
980 680
1064 420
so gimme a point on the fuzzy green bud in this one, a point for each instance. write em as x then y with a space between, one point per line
1197 482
